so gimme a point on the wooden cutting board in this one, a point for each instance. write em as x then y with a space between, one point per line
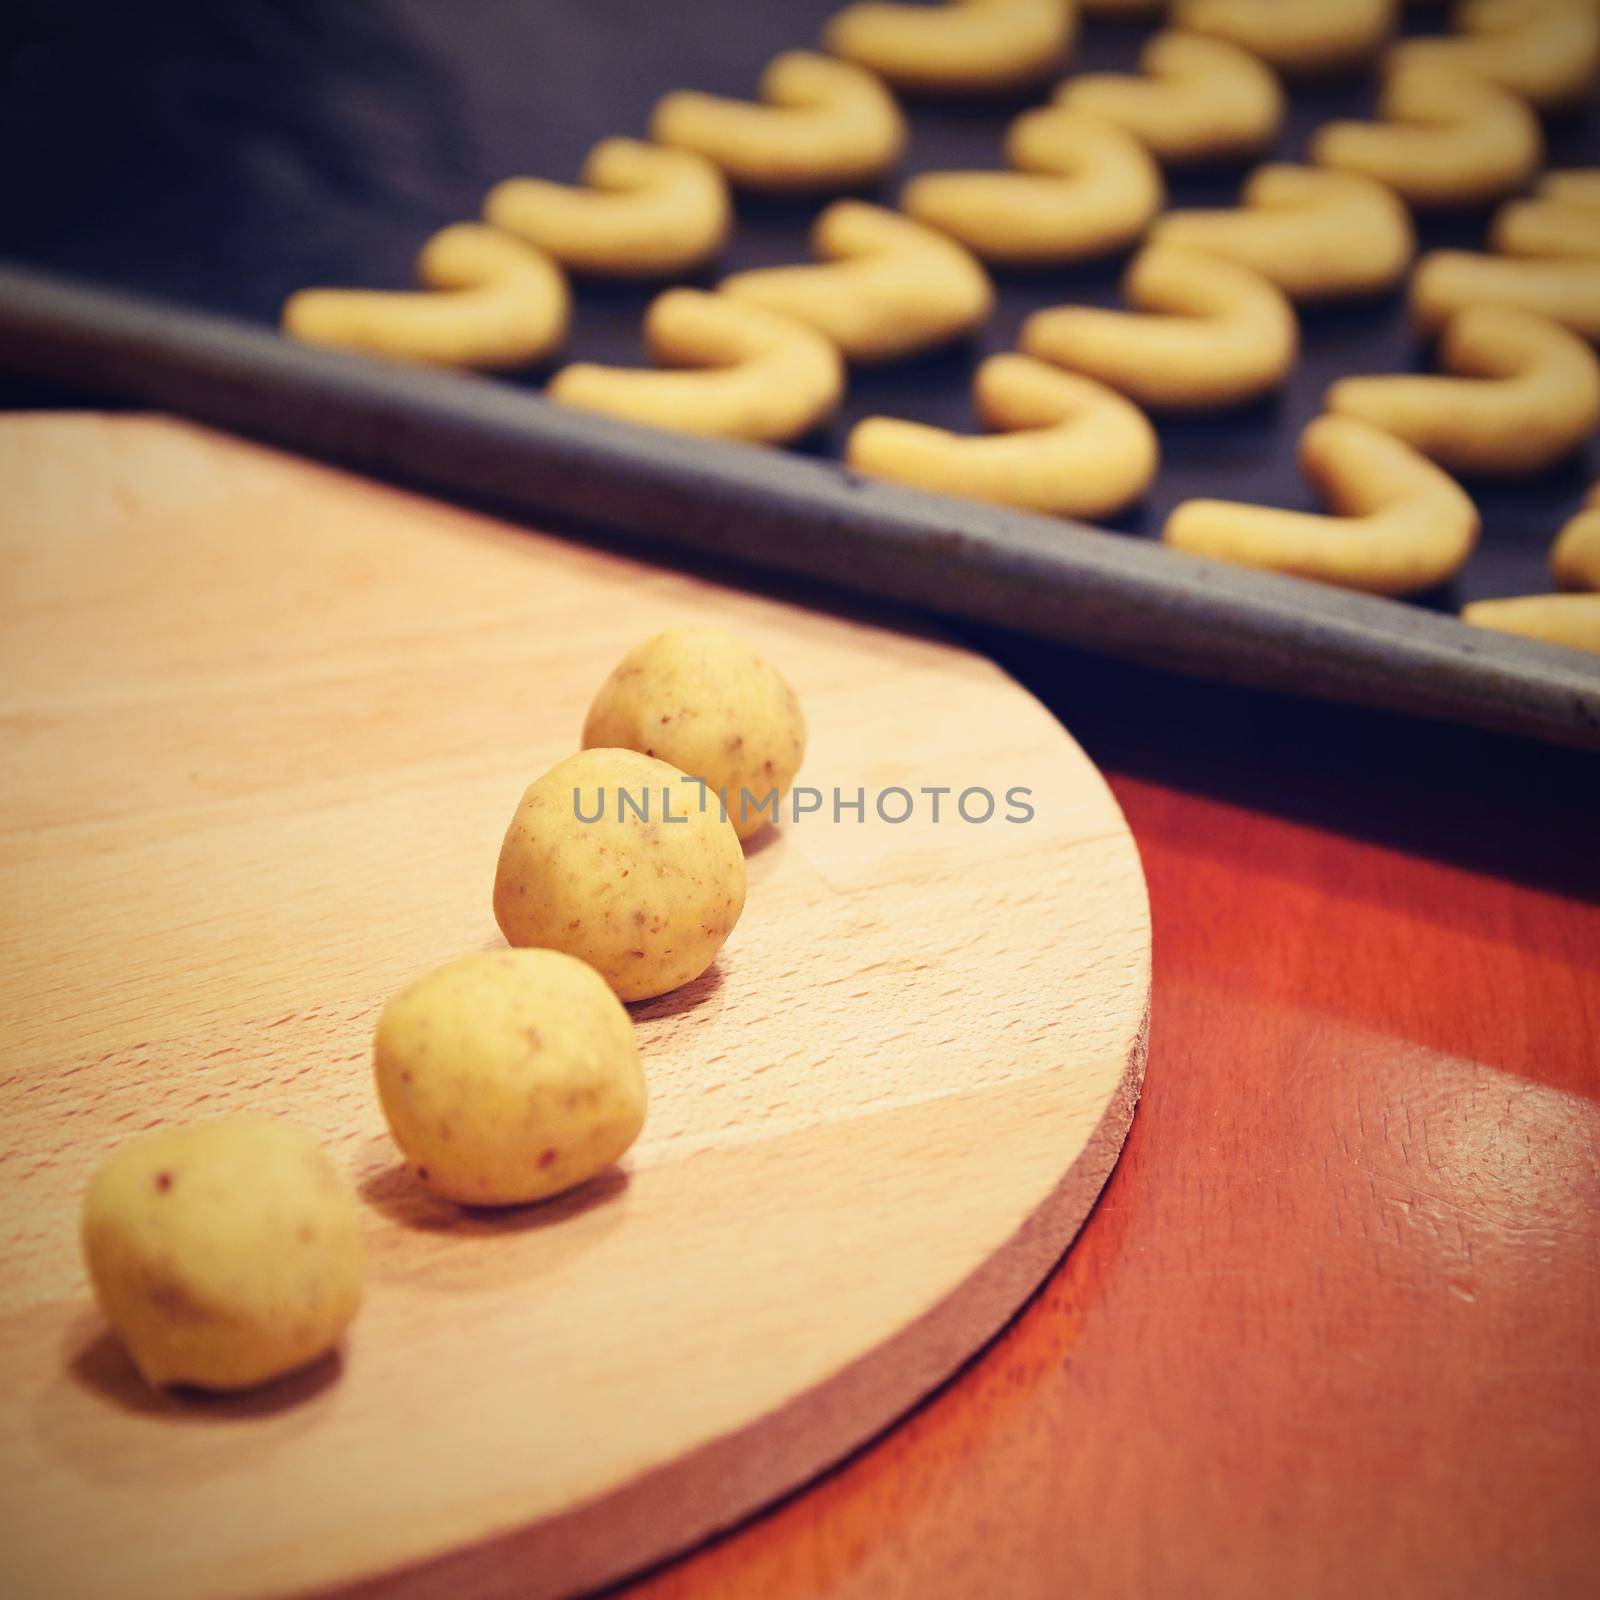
266 724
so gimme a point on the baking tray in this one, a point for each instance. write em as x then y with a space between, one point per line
185 168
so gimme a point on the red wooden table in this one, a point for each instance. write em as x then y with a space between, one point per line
1335 1325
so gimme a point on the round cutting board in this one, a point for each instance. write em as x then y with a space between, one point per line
267 724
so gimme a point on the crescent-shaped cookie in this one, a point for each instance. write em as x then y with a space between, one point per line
1397 523
1523 392
1446 139
1562 219
1084 188
1447 281
1198 99
642 211
1303 37
957 47
490 302
1318 235
1063 444
821 125
886 286
1575 556
1572 620
1547 51
752 374
1206 333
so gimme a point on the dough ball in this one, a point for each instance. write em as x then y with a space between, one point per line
509 1075
706 702
223 1254
622 861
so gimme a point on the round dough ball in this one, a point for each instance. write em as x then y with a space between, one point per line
645 900
509 1075
223 1254
705 701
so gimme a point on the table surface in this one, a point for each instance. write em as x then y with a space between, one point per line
1335 1324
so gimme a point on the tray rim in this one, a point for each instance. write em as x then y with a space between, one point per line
464 434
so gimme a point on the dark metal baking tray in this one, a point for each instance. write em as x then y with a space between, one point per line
183 168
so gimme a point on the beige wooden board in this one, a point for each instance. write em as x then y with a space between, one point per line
265 724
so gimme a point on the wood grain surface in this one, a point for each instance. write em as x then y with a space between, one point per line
265 726
1334 1327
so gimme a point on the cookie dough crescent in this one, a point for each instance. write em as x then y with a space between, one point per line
1572 620
1398 523
1547 51
1445 140
1206 333
958 47
1447 281
1084 188
1304 37
490 301
642 211
886 286
1062 444
1523 393
1318 235
1563 219
1575 556
1198 99
820 125
753 375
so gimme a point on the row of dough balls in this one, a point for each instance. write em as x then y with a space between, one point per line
230 1252
1204 332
